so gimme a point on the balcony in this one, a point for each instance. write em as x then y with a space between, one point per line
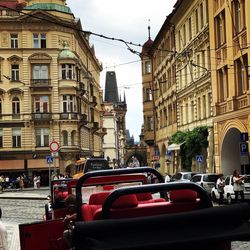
68 116
40 84
42 116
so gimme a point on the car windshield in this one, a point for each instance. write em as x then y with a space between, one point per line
92 165
210 178
187 176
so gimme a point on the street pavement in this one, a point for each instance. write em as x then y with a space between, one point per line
10 198
40 197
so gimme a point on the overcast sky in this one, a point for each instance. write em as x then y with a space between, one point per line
127 20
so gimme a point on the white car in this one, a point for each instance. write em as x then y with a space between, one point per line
207 181
229 195
182 176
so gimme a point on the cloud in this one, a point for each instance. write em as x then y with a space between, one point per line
127 20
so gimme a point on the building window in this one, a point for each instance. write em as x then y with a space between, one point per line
239 15
149 96
41 104
196 21
204 106
65 138
14 41
1 137
68 104
198 108
201 15
220 29
15 106
190 28
42 137
16 137
73 138
39 41
148 67
40 72
15 72
222 80
150 123
241 69
67 71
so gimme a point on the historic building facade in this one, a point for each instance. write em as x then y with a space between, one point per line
193 77
229 25
49 89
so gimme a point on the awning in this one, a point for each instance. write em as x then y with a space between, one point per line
174 146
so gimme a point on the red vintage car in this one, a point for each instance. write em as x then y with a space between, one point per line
125 212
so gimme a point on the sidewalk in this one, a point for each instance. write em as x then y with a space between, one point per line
27 193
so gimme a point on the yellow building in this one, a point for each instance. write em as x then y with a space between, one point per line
229 25
49 88
164 93
193 78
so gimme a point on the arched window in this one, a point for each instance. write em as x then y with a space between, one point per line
15 106
65 138
73 138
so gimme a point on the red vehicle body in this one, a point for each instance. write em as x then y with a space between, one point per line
131 217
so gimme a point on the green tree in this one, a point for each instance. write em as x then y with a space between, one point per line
195 141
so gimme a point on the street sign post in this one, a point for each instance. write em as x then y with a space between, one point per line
49 160
54 146
199 159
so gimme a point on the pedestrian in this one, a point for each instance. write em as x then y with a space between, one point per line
3 234
38 181
35 181
238 185
21 182
220 184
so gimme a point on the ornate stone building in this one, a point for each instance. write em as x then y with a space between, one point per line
193 77
49 88
229 24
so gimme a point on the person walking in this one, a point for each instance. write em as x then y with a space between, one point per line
238 185
220 184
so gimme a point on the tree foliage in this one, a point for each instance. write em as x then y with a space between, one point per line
194 142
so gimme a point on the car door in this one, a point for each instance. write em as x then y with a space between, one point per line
46 235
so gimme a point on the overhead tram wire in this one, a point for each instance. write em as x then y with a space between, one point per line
127 44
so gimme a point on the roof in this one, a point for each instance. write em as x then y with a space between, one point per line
49 6
66 53
146 46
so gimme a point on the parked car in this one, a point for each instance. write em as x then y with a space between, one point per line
207 181
183 176
229 195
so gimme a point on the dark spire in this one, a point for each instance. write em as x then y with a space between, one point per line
149 37
111 90
124 98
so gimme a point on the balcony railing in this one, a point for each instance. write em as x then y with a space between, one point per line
42 116
69 116
40 82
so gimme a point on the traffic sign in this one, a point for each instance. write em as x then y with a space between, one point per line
54 146
244 136
199 158
244 148
49 159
